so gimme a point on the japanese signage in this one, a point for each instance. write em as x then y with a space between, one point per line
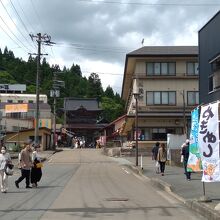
15 108
208 139
194 162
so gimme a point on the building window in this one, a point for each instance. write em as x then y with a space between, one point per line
215 81
192 98
192 68
161 98
22 115
30 101
211 84
214 78
10 101
157 134
20 101
165 68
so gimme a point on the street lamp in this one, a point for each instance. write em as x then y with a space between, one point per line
136 95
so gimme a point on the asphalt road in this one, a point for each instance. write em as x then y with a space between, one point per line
84 184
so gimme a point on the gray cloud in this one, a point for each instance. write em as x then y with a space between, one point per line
106 32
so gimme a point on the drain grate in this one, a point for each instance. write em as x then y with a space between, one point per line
117 199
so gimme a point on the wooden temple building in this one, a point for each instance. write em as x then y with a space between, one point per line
82 116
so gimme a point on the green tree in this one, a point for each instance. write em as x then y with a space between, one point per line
111 108
6 78
95 89
109 92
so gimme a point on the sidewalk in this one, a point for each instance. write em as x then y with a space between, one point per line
175 183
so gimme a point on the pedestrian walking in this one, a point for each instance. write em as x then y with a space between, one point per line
162 158
154 156
25 165
185 154
5 160
36 171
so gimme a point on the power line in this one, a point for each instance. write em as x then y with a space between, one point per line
151 4
91 46
121 50
10 36
19 16
12 32
116 74
25 16
14 22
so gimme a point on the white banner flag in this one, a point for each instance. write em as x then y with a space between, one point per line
208 139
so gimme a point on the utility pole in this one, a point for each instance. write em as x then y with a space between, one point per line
36 131
55 92
54 114
46 40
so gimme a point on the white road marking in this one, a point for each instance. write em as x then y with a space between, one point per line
125 170
50 160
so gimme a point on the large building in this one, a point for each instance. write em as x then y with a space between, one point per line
209 61
82 118
166 78
17 112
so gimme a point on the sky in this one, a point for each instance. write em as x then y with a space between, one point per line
97 34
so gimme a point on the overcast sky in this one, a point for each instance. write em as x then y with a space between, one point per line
97 34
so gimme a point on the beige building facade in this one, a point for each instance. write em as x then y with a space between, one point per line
166 79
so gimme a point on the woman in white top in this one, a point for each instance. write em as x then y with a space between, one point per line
4 159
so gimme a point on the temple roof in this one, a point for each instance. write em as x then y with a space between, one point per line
73 104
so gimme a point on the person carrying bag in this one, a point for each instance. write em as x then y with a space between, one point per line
36 171
6 169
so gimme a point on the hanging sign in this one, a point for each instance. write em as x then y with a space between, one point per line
194 163
15 108
208 139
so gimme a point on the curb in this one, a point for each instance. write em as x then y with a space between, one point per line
203 209
199 207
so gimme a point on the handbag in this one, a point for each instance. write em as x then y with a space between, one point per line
39 165
9 169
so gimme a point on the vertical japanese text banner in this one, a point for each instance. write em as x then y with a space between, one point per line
208 139
194 162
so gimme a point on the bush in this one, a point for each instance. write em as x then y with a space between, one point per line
16 148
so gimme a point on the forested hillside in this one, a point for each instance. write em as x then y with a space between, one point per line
15 70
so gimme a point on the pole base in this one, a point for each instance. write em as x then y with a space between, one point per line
204 199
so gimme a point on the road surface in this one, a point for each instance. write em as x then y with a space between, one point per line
84 184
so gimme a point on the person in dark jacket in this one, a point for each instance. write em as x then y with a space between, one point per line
185 153
36 172
154 156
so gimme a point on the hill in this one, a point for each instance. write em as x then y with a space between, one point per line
15 70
